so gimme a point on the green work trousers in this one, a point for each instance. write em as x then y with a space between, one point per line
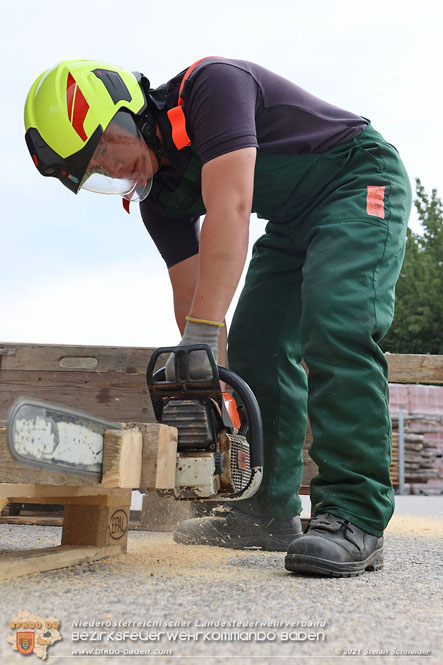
320 287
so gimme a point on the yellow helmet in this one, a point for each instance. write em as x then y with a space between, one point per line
70 106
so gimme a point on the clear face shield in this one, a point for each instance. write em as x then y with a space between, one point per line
122 162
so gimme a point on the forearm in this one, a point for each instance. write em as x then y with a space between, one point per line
181 310
214 274
223 250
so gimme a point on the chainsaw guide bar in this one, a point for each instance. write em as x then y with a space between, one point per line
56 438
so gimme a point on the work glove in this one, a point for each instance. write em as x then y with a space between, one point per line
197 331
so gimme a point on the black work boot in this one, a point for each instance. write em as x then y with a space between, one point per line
238 530
335 547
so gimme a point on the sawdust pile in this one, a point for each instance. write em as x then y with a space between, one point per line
155 554
412 525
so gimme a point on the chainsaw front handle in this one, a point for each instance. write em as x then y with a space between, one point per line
185 387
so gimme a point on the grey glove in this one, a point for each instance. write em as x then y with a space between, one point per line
197 332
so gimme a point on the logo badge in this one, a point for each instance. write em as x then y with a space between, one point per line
33 634
375 201
25 642
118 524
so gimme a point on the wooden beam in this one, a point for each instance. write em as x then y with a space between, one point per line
122 458
159 455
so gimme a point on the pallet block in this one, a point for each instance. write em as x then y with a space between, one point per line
94 527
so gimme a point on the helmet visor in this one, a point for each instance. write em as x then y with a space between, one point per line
122 162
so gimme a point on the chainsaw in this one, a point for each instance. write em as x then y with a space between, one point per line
220 440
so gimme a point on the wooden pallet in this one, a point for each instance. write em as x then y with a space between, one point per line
110 383
96 512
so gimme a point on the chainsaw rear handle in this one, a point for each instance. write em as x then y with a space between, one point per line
253 414
184 387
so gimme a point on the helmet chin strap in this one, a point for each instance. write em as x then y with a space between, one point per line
147 127
146 121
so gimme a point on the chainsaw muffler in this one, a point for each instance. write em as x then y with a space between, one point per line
220 438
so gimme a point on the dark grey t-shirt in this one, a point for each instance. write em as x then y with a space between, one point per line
234 104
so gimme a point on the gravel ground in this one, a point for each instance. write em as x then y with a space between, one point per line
395 610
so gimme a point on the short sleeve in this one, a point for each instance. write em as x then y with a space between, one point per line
176 238
220 106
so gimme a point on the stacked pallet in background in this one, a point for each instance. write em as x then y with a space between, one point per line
414 387
420 453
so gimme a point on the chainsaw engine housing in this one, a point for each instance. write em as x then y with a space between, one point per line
210 462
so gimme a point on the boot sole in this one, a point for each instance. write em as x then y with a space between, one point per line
303 563
266 544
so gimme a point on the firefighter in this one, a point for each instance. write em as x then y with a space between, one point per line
222 139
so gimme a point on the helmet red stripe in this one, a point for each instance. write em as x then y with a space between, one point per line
81 107
70 92
77 106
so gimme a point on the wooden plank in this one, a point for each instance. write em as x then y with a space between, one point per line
46 520
122 458
414 368
32 520
17 564
59 494
115 397
86 500
403 368
76 358
13 472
